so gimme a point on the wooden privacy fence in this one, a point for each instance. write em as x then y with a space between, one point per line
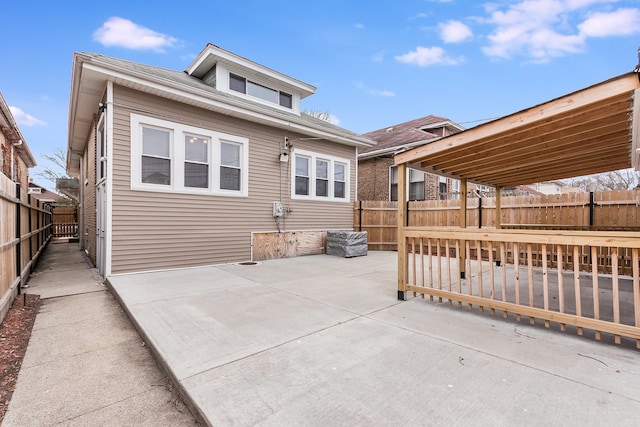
433 259
25 229
65 221
609 210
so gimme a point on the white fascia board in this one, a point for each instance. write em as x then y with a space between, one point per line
446 123
228 106
396 149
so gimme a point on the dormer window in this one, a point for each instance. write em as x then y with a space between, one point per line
240 84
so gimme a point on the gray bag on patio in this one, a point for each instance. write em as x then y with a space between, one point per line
347 244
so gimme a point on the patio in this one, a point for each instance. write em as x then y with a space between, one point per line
322 340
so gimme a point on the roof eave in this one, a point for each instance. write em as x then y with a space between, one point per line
204 99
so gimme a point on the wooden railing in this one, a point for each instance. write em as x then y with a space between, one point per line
65 230
498 270
606 210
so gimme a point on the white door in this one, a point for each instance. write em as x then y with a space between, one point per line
101 226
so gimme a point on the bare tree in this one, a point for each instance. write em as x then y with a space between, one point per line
322 115
57 167
625 179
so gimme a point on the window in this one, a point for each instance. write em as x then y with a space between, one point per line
101 149
302 176
416 185
442 188
393 180
173 157
319 177
196 161
339 180
322 178
156 155
240 84
230 170
286 100
237 83
455 189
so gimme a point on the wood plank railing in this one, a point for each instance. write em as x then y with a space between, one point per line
499 270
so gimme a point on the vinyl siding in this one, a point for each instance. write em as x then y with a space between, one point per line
88 211
154 230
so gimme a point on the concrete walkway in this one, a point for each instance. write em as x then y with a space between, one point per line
85 364
321 340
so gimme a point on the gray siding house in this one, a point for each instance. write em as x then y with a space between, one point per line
210 165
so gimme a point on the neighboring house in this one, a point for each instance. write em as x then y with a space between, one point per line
549 187
377 177
204 166
16 157
41 193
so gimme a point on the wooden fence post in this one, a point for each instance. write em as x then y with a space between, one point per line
19 237
463 224
402 220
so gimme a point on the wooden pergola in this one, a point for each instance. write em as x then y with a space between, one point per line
593 130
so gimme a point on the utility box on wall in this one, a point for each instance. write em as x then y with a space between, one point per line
347 244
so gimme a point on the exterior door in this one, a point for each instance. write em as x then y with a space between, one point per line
101 226
101 195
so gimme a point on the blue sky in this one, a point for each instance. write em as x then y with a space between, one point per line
375 63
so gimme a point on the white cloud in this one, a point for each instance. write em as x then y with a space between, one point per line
374 92
426 56
454 32
25 119
124 33
420 15
377 57
544 29
622 22
358 26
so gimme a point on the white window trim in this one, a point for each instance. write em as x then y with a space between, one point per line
222 84
312 156
179 130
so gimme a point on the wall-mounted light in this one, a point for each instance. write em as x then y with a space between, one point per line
284 157
102 106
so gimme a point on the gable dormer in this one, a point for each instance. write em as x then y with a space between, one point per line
238 76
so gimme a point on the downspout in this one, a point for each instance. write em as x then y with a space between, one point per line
13 161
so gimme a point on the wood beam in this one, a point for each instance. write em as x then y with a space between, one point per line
635 131
568 103
567 125
402 221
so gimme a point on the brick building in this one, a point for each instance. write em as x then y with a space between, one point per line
377 177
15 156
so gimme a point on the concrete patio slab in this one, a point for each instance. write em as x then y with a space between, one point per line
322 340
365 372
198 332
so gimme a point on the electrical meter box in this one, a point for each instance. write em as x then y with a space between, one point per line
277 209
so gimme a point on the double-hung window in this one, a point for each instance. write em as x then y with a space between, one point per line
415 185
319 177
174 157
322 178
230 166
303 171
196 161
156 155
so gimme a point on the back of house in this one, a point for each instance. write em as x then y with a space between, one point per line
212 165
